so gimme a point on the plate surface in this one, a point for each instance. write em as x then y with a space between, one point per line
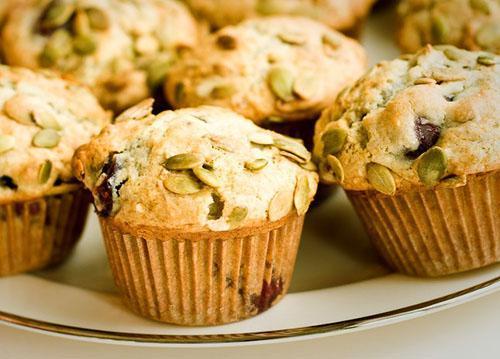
339 285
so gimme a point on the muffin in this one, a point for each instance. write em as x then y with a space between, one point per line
43 119
122 49
279 72
468 24
415 143
200 209
342 15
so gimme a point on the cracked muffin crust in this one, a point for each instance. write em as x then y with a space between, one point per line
469 24
43 119
194 170
342 15
268 69
122 49
423 120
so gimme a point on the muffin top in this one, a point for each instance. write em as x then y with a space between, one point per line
43 119
194 169
469 24
416 122
339 14
121 48
274 68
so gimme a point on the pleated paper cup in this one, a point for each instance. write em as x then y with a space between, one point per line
435 232
203 278
39 233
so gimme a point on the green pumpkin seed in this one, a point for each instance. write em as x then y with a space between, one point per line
335 168
381 178
306 86
425 81
84 45
486 60
226 42
292 38
216 208
222 91
237 215
46 138
182 183
309 166
293 157
333 141
98 19
480 5
281 81
261 138
137 112
179 93
440 28
207 176
6 143
59 45
56 15
157 72
267 7
18 108
183 161
274 119
256 165
293 147
81 23
452 54
280 205
488 36
302 196
44 172
431 166
45 119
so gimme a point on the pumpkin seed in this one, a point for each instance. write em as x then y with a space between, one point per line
44 172
18 108
215 208
306 86
380 177
425 81
84 45
179 92
183 161
292 147
431 166
207 176
309 166
222 91
333 141
226 42
237 215
267 7
488 36
302 196
56 15
6 143
275 119
336 168
58 46
293 157
480 5
81 23
281 81
182 183
292 38
256 165
486 60
45 119
280 205
46 138
261 138
139 111
452 54
440 28
157 72
98 19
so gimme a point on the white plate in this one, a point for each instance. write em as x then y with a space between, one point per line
339 285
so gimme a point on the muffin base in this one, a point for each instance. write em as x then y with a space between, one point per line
39 233
204 278
435 232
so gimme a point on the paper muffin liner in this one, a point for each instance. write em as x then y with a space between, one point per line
435 232
203 278
41 232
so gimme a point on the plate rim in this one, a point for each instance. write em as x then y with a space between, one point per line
279 335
